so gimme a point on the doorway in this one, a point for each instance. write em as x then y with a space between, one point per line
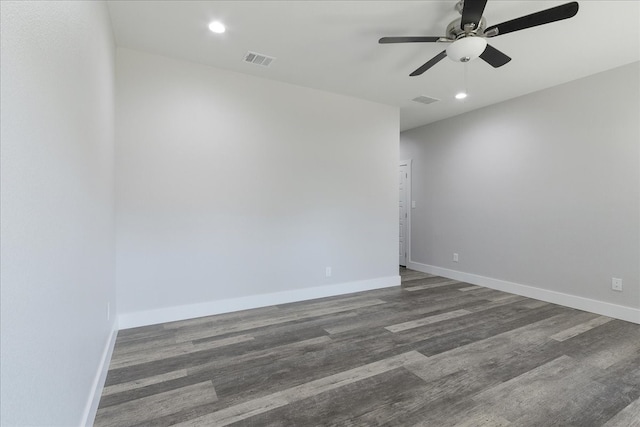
404 212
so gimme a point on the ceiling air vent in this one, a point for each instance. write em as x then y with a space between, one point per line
258 59
425 99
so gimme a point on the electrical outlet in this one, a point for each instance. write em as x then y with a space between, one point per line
455 257
616 284
328 271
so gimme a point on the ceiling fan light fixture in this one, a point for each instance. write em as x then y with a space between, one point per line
466 49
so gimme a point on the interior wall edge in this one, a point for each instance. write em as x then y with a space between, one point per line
93 401
620 312
210 308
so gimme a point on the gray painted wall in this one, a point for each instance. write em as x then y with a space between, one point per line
542 190
57 211
233 186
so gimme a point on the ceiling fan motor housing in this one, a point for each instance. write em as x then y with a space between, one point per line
454 30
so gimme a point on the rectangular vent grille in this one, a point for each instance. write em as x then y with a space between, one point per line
258 59
425 100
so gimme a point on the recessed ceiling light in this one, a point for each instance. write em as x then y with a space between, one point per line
217 27
461 95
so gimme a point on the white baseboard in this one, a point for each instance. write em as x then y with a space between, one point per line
171 314
629 314
91 408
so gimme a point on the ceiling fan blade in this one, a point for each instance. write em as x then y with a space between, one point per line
494 57
430 63
472 12
557 13
408 39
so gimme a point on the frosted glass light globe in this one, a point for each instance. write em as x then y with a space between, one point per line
466 49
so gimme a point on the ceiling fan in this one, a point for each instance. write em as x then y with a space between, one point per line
468 34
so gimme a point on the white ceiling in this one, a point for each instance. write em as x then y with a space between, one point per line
332 46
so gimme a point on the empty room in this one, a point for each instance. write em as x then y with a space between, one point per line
320 213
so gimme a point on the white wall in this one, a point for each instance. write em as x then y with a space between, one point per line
232 186
542 190
57 214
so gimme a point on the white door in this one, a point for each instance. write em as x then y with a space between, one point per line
404 176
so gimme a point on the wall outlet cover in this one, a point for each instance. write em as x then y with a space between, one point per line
616 284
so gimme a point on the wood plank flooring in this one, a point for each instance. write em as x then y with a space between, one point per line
434 352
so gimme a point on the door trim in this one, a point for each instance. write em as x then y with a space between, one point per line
408 163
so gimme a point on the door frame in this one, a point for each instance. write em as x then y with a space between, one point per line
408 163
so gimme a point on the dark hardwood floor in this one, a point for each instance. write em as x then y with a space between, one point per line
434 352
